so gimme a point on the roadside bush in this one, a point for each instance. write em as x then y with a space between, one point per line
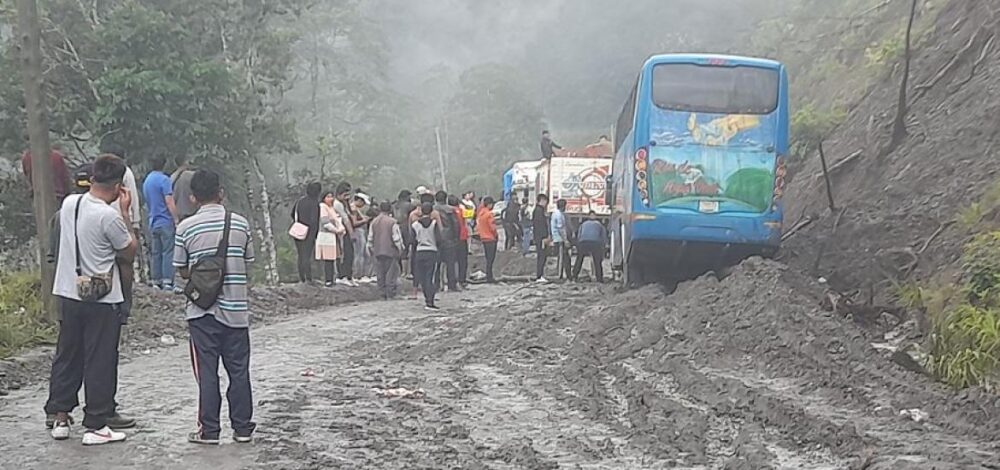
23 320
810 125
965 339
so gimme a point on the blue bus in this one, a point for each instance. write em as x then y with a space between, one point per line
699 168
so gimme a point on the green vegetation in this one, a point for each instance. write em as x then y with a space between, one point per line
965 316
23 320
810 126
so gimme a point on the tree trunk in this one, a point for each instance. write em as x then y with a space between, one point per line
255 225
267 243
899 125
38 131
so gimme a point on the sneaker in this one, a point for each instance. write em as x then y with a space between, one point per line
432 308
50 420
102 436
328 284
353 283
342 282
542 280
178 290
117 421
243 438
201 439
60 430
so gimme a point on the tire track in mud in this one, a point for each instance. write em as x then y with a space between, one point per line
741 373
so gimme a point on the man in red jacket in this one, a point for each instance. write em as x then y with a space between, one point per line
60 175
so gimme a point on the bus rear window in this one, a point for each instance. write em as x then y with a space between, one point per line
715 89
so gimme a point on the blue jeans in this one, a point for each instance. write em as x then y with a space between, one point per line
529 233
162 256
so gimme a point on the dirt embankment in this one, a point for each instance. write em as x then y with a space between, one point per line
747 372
158 320
894 213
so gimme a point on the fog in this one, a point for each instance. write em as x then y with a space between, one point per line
577 58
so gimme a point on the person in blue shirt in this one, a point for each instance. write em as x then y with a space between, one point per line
560 238
158 192
592 239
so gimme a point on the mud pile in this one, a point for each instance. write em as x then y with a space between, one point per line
895 211
743 373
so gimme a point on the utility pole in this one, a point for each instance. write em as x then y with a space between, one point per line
444 177
30 34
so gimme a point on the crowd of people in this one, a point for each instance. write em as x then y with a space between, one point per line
201 249
423 235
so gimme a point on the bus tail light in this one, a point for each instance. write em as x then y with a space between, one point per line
780 171
641 169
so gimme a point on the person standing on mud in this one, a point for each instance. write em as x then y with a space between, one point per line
426 197
560 238
511 224
158 193
93 236
306 212
486 227
385 241
331 229
593 237
462 249
540 235
427 241
221 331
401 211
345 266
449 241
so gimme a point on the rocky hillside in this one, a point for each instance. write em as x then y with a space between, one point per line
904 215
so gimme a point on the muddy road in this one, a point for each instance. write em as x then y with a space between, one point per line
740 374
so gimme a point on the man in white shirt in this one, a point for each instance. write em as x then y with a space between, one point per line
94 236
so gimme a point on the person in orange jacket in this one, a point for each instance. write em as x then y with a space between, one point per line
486 227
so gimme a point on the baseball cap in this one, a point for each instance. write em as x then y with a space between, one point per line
81 177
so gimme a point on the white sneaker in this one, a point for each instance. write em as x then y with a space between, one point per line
353 283
102 436
343 282
542 280
60 430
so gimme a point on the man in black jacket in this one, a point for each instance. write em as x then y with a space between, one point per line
511 223
540 226
449 241
548 146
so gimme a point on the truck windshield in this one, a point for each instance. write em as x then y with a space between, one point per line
715 89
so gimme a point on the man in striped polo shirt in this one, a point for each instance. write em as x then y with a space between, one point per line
221 331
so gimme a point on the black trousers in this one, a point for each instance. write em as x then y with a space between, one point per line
491 255
87 354
387 275
306 250
210 341
330 270
462 261
565 258
596 252
542 257
448 265
345 268
425 264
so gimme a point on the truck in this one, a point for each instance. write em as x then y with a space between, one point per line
580 177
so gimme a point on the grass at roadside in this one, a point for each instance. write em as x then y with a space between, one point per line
23 320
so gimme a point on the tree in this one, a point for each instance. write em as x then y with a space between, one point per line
902 106
41 165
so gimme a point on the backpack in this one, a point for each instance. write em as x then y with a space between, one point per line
449 225
207 274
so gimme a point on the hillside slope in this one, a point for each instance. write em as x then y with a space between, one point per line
896 212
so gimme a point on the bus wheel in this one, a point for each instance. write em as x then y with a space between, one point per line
634 275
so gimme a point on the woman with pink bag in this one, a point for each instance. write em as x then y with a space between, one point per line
331 228
305 228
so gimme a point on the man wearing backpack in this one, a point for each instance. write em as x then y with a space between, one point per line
213 248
